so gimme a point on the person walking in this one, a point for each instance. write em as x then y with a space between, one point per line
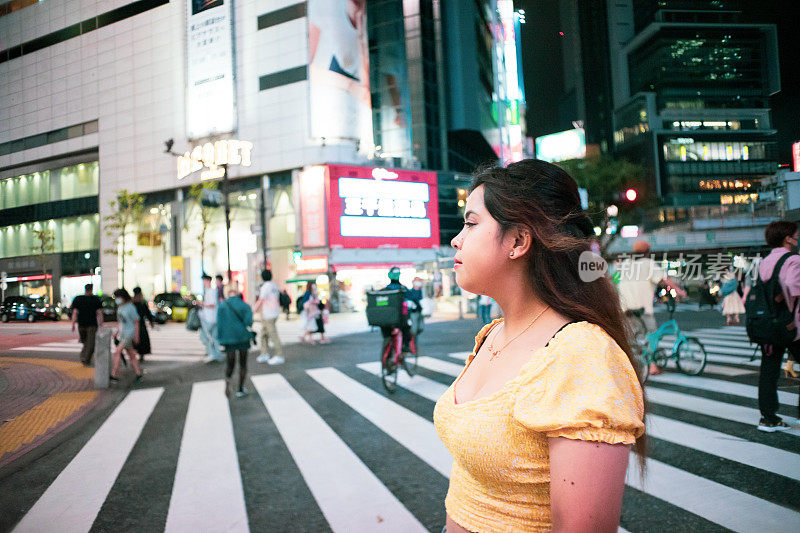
87 312
484 309
268 303
142 347
732 301
220 285
127 334
208 322
782 237
639 276
286 302
234 318
542 417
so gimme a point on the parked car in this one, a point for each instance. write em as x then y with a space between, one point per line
27 308
175 305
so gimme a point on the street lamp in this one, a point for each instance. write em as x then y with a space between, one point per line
226 202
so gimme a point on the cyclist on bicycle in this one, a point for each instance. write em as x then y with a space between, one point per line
639 277
405 327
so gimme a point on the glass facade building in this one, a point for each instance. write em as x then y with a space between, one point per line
693 84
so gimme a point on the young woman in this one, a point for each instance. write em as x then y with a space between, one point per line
128 333
541 420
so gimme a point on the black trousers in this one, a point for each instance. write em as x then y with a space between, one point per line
231 354
771 358
405 329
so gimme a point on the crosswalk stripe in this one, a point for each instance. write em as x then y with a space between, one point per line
713 501
404 426
718 385
349 495
442 367
723 445
745 352
695 437
207 494
723 370
696 404
733 360
716 344
72 501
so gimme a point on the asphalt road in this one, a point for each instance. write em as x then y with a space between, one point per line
318 445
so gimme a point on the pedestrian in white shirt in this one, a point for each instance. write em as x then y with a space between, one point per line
208 322
269 305
639 277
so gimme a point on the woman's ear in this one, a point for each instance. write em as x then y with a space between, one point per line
520 242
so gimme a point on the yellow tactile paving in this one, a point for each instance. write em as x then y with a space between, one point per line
71 368
36 421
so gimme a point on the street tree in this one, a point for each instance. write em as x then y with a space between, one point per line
206 214
46 239
126 213
606 181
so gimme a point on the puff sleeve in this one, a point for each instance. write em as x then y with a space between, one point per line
587 390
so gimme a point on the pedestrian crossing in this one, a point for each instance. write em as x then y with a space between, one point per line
208 492
167 344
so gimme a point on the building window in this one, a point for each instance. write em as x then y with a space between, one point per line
72 234
76 181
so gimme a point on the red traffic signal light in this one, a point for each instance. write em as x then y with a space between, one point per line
631 195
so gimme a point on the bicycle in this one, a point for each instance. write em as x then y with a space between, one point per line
688 352
393 357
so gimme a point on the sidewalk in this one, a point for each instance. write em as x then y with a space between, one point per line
41 397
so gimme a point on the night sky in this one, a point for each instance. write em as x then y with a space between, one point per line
543 74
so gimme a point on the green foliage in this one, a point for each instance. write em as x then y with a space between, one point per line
126 212
206 213
46 238
605 179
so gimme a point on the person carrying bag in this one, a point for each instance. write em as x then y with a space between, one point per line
234 318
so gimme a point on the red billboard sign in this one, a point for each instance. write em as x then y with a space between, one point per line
796 157
382 208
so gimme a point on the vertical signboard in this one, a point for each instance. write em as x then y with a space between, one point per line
312 205
210 92
796 157
338 72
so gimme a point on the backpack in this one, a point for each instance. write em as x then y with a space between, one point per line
284 299
768 319
729 287
301 300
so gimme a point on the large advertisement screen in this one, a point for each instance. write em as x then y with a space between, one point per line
570 144
210 106
376 207
338 72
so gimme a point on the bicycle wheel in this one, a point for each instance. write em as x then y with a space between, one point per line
691 356
389 370
644 366
410 359
639 333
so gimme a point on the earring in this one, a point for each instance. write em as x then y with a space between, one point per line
511 254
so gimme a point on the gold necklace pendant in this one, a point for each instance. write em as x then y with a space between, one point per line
494 353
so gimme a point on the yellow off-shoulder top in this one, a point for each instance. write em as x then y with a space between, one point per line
581 385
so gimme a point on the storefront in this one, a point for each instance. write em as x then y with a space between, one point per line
357 222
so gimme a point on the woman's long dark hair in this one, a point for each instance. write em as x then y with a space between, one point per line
543 199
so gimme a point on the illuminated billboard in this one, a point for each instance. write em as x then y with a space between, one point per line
210 105
375 207
570 144
338 72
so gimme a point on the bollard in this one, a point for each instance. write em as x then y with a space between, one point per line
102 357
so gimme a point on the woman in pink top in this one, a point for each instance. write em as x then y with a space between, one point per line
782 236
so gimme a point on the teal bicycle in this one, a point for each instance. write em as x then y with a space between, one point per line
688 352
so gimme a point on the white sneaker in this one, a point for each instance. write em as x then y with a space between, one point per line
211 359
276 360
263 358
